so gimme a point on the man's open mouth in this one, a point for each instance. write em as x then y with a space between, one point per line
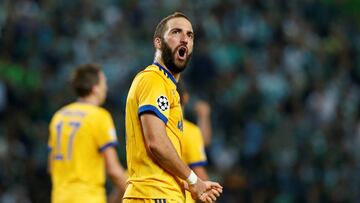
182 52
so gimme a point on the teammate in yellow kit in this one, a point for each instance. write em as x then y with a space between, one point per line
193 148
81 144
154 123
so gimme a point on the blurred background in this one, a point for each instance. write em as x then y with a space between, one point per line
282 79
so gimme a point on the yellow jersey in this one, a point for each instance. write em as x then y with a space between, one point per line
152 90
79 132
193 150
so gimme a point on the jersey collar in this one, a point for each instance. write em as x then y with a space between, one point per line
166 72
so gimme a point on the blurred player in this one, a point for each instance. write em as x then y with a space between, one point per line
81 143
193 148
154 123
202 110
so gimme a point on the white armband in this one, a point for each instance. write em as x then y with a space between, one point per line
192 179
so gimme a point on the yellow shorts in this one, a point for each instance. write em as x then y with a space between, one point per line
138 200
189 199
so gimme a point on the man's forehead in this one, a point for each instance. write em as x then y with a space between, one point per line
179 22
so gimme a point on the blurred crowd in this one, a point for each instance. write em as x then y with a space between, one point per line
282 78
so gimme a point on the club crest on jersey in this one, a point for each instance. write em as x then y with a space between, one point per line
181 126
162 103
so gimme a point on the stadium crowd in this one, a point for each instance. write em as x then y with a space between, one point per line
282 78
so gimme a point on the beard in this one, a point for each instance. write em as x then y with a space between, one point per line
168 57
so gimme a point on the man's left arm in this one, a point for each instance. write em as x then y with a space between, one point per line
116 173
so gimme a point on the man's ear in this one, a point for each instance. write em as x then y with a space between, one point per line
95 89
157 43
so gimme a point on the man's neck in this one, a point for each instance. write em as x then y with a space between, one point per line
88 100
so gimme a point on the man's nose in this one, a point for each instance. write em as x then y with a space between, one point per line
184 38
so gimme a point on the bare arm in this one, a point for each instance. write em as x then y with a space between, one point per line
200 171
202 110
116 172
163 152
160 146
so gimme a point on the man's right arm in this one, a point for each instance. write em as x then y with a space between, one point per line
160 147
163 152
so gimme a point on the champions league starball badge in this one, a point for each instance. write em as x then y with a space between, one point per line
162 103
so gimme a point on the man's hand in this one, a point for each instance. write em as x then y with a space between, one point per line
205 191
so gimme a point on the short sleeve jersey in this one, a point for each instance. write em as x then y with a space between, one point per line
152 91
193 147
79 132
193 150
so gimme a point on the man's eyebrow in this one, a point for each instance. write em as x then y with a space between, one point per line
175 28
189 32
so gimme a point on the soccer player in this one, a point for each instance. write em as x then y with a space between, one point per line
81 144
193 149
154 123
202 110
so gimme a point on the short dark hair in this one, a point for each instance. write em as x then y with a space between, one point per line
84 77
161 27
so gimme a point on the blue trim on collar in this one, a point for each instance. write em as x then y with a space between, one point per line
166 72
200 163
147 108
